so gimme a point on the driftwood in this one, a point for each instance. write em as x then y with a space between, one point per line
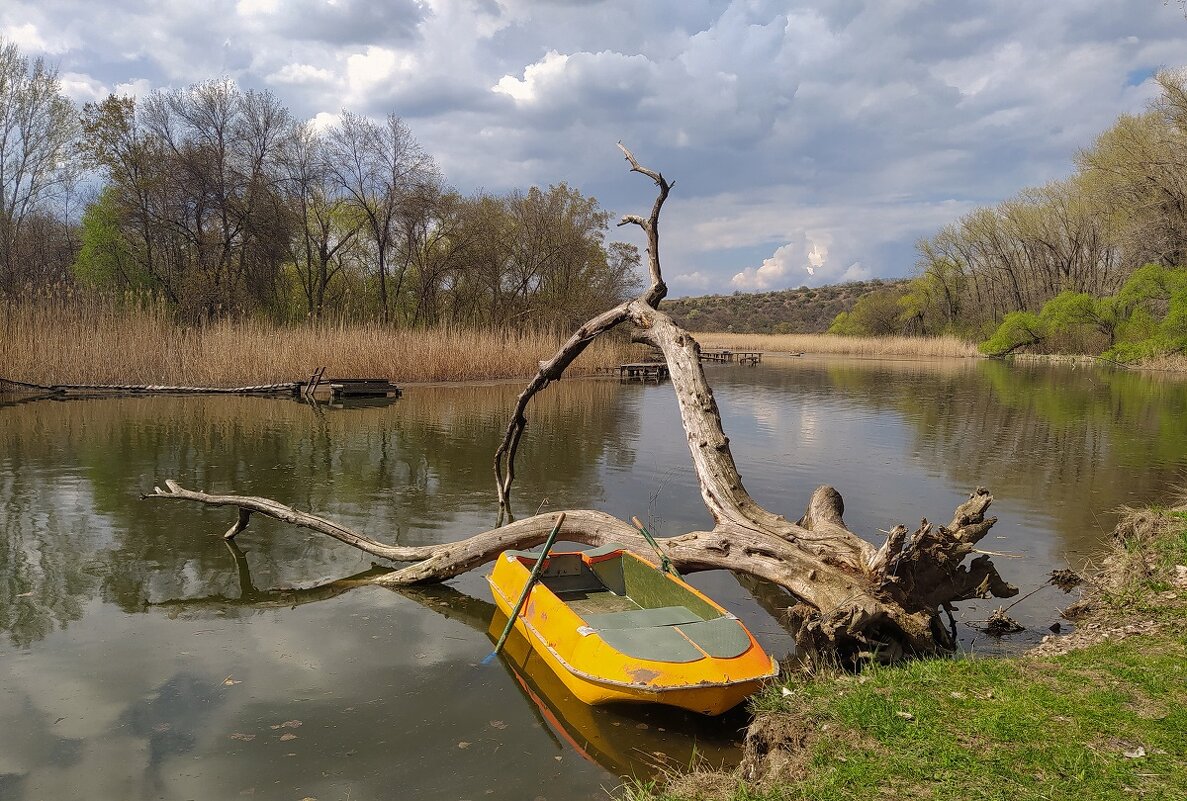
158 389
853 598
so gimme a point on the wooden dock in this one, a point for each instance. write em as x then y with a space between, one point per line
643 371
361 388
658 370
342 388
726 356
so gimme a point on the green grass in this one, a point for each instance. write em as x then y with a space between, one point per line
1057 728
988 729
998 729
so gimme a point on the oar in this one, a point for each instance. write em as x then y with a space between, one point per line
665 564
527 588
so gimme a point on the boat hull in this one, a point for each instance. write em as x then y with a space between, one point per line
596 672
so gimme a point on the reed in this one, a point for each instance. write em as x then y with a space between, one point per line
833 345
94 342
1168 363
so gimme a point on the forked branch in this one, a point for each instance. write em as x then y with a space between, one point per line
551 370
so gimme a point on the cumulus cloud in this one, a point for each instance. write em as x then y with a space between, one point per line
536 77
139 87
324 120
82 88
684 283
30 39
810 140
790 265
373 69
300 75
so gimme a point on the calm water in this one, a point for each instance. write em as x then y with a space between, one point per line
141 658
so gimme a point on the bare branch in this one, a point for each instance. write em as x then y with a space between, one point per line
636 167
240 524
658 289
286 514
550 371
504 461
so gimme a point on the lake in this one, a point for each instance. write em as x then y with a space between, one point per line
142 658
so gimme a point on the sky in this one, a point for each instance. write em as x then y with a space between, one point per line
809 142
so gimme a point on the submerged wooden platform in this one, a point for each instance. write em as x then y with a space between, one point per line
341 388
361 387
644 371
726 356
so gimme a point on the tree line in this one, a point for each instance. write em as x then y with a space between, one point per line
805 310
218 201
1079 240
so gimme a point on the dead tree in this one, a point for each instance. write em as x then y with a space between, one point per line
853 598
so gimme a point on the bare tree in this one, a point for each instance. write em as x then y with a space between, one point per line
379 166
212 193
853 597
326 230
38 126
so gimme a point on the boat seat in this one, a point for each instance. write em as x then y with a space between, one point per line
723 638
664 634
655 644
591 553
642 618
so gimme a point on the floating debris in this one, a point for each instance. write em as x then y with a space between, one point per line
1000 623
1066 580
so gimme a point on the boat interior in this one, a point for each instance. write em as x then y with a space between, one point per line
638 609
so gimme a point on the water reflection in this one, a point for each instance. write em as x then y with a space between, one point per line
1072 444
618 737
142 658
72 529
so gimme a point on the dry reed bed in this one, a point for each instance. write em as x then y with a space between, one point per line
1170 363
832 345
86 343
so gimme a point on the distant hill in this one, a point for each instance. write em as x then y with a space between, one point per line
786 311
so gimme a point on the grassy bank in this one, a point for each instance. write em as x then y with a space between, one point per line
832 345
1100 714
92 343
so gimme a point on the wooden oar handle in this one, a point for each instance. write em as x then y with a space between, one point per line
638 525
533 577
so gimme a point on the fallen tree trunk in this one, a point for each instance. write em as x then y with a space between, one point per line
290 387
853 599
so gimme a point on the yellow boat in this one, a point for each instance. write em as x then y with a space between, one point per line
615 628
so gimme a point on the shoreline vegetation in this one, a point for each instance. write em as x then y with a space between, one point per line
944 346
80 341
92 343
1097 713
